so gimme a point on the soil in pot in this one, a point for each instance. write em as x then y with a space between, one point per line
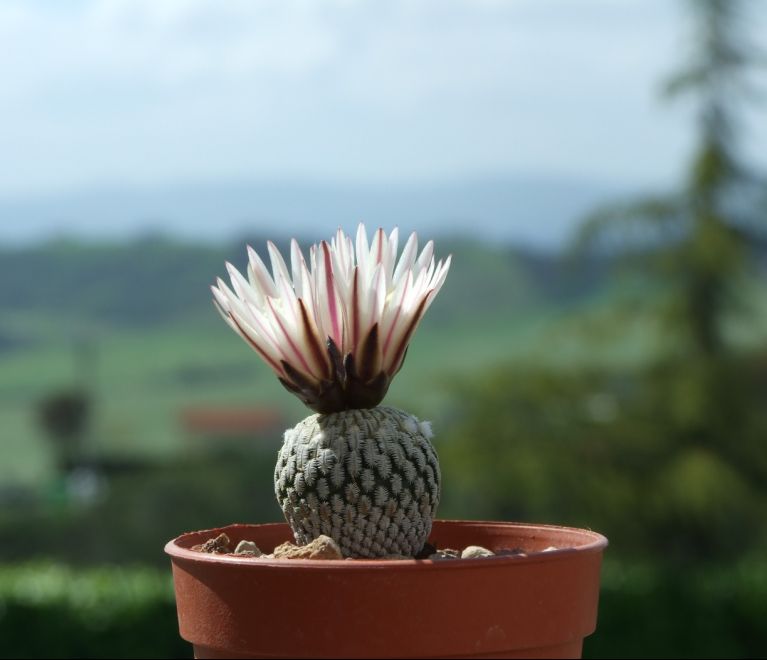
325 547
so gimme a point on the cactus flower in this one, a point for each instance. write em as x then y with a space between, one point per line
334 330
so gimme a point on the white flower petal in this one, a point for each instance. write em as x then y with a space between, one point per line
222 302
367 295
439 279
391 257
313 344
297 265
307 290
355 311
242 287
299 353
393 311
414 295
232 303
259 275
379 294
262 321
402 334
256 323
252 337
355 292
363 254
378 248
343 256
279 268
328 300
426 256
340 274
405 263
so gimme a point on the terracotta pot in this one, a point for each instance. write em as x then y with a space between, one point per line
538 606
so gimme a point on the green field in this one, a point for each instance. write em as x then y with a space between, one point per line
158 351
145 377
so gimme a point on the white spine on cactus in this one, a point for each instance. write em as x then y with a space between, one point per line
368 478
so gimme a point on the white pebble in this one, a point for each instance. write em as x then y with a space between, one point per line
475 552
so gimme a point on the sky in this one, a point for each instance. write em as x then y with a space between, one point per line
146 94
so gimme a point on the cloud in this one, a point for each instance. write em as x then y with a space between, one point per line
145 91
170 43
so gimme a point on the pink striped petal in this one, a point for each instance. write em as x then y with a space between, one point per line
402 337
297 357
330 305
391 318
342 317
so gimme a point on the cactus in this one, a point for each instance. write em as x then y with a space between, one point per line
335 334
367 478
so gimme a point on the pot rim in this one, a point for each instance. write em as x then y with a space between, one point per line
593 542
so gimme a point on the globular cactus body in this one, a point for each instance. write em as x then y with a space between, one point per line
368 478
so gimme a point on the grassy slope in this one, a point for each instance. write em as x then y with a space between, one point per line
144 379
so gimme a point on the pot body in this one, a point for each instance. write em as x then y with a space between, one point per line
537 606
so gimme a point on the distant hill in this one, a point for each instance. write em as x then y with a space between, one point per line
535 211
153 281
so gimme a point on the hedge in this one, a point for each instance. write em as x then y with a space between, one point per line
53 611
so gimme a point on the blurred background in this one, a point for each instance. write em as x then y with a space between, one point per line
597 357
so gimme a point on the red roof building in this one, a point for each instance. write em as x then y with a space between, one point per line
227 421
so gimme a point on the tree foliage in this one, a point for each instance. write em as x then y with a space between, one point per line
668 458
697 238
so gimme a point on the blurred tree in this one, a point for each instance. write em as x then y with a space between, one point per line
64 416
668 457
698 238
600 448
65 413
